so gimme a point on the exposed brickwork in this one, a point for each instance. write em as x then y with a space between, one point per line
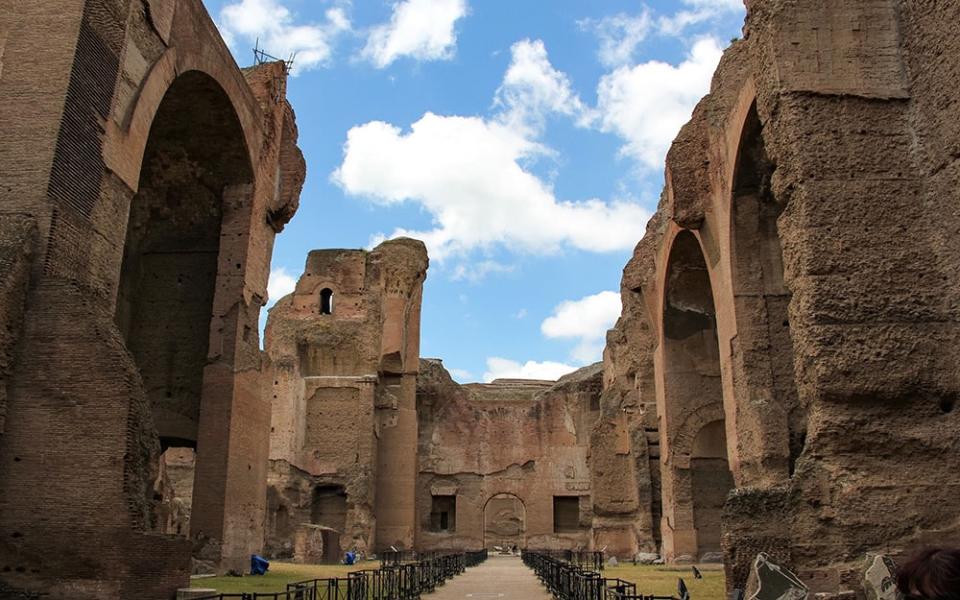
79 456
343 395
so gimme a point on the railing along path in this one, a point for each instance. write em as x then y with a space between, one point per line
401 576
576 576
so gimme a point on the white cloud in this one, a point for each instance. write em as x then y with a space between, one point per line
520 314
476 272
503 368
471 174
532 89
279 285
698 11
587 321
420 29
466 172
619 36
647 104
461 375
278 32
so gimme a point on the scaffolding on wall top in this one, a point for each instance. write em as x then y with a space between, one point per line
260 56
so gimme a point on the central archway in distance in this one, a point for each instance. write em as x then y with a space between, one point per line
504 521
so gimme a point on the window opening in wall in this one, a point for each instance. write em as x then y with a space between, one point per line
566 514
326 301
443 513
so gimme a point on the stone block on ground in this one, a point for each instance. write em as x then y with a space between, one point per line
880 578
646 558
770 581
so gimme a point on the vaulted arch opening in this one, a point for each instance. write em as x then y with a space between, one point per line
194 175
326 301
710 482
763 349
504 521
696 474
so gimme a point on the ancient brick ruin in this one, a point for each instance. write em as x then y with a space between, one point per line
344 351
790 317
144 177
783 377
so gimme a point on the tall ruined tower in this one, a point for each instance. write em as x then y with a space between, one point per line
344 349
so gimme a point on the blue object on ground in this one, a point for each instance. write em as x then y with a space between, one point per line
258 565
349 558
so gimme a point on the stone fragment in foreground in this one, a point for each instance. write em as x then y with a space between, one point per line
880 578
770 581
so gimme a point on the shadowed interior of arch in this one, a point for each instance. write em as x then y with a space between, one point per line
195 172
699 477
762 301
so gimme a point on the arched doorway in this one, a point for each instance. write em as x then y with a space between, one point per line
764 383
696 475
180 249
710 482
504 521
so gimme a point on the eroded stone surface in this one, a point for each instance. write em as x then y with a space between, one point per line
138 174
514 453
770 581
880 579
344 353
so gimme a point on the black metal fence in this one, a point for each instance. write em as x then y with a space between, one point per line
572 576
403 576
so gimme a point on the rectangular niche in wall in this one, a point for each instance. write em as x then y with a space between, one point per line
443 513
566 514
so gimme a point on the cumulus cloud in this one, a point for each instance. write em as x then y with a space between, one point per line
461 375
647 104
477 272
420 29
470 173
467 173
585 320
280 284
279 33
619 35
696 12
533 89
503 368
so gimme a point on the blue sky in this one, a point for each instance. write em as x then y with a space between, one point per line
522 140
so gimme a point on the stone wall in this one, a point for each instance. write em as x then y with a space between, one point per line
506 454
344 354
119 108
797 289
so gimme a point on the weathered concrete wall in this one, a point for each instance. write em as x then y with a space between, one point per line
343 353
813 181
109 94
505 450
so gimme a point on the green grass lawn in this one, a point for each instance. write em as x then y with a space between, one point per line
277 578
650 579
662 580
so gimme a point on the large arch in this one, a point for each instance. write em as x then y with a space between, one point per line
91 428
770 424
195 164
504 521
690 401
183 269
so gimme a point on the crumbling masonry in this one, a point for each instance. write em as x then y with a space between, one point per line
783 377
344 349
790 324
143 177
